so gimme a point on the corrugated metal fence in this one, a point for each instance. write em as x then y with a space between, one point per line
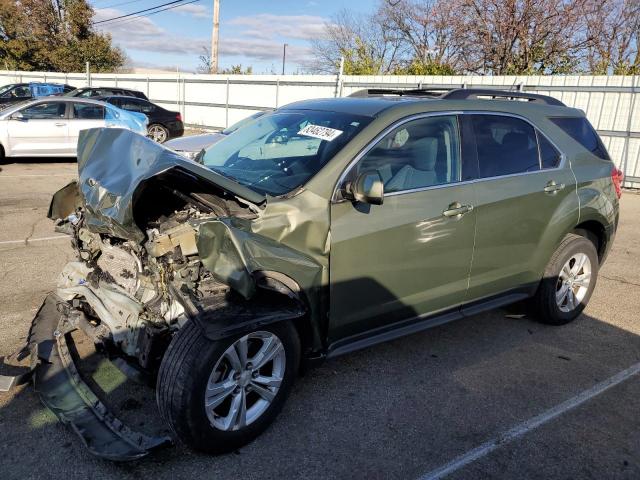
216 101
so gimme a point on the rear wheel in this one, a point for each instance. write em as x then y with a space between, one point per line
157 133
219 395
568 281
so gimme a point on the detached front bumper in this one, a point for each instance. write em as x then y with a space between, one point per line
62 390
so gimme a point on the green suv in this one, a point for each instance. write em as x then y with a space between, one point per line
318 229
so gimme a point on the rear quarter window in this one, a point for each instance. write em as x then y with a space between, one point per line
582 132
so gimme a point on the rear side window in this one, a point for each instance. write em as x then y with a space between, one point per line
549 156
582 132
506 145
88 111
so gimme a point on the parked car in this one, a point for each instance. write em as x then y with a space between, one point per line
163 124
50 127
192 145
90 92
19 92
324 227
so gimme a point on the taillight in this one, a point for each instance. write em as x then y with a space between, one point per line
179 117
616 177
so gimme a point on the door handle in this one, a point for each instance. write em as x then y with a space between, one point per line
456 210
60 124
553 187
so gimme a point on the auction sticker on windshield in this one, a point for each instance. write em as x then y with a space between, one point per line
323 133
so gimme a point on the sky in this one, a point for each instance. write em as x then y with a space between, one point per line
252 32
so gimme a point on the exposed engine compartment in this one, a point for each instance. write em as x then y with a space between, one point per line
133 296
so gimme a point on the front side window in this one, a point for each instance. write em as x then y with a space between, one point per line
88 111
582 132
20 92
418 154
505 145
280 152
44 111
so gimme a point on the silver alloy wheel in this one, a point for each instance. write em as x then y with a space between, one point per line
245 380
157 133
573 282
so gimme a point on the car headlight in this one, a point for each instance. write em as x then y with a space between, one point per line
190 155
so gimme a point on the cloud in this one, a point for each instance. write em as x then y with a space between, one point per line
266 25
198 11
143 34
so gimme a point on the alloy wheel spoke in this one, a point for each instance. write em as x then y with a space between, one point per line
265 393
232 355
571 299
267 352
579 263
582 280
565 272
561 294
267 381
241 348
237 417
218 392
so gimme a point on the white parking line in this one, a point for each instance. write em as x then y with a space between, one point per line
525 427
31 240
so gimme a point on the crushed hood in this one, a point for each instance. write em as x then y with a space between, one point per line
112 163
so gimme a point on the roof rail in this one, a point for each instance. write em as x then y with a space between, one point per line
475 93
434 92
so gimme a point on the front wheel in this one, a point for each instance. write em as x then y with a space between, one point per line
219 395
568 281
157 133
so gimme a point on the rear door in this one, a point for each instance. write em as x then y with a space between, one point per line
525 201
411 256
83 117
42 130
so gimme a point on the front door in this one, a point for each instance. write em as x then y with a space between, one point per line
40 130
410 256
525 201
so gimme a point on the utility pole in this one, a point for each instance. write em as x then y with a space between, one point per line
214 36
284 57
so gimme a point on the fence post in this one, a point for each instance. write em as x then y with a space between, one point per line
226 107
88 73
277 91
339 79
627 140
147 86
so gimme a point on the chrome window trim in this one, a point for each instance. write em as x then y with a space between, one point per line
402 121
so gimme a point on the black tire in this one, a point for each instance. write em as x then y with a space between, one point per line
162 135
183 378
545 307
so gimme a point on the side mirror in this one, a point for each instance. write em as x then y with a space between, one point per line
18 116
368 188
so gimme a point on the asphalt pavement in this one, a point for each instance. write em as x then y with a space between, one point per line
441 399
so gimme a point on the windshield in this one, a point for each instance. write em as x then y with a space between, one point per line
74 93
241 123
280 152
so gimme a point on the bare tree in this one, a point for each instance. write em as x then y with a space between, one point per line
614 27
368 45
430 28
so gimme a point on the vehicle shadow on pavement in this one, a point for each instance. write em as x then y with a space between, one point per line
395 410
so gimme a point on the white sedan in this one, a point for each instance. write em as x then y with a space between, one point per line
49 127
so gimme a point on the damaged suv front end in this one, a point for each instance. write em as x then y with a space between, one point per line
162 243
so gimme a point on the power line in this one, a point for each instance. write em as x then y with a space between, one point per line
118 4
139 11
127 20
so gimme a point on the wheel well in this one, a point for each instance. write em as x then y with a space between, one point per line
594 231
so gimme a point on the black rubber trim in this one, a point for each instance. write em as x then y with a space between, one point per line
62 390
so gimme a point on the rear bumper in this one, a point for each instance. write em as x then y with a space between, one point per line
62 390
